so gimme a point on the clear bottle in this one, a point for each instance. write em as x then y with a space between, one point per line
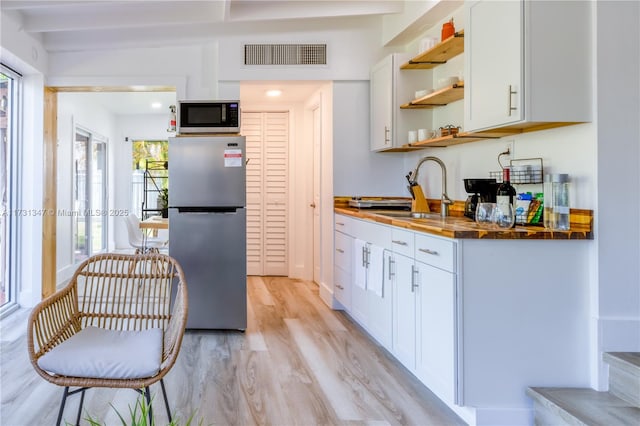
561 210
547 213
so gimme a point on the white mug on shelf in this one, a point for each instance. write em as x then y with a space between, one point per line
423 134
412 136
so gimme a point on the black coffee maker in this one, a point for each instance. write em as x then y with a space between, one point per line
482 191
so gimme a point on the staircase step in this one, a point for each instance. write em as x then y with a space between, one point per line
624 375
577 406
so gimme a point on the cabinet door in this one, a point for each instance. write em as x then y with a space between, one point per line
436 355
379 301
359 288
404 311
381 101
493 64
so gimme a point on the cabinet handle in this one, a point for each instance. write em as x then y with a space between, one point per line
368 250
340 223
400 243
387 131
392 273
431 252
511 93
414 280
339 250
364 257
339 286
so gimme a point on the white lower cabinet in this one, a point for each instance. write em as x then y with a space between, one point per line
436 353
403 292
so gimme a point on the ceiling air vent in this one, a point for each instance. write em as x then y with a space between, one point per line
285 54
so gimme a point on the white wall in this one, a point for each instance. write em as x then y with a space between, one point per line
357 170
345 60
617 295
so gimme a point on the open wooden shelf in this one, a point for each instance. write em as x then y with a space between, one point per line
445 141
441 97
438 54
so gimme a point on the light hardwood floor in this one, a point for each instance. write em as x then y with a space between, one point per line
298 363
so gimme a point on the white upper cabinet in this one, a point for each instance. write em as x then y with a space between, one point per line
388 90
527 64
381 104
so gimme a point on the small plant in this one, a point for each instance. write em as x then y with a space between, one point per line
163 202
164 198
139 416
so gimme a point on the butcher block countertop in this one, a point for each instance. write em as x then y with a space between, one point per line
456 225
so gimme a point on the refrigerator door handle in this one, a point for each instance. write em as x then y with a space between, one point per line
208 210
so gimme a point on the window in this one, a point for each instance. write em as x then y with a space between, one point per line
10 87
90 194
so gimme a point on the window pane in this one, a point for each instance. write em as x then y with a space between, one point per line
81 197
9 87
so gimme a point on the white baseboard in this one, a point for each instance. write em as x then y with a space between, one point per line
326 294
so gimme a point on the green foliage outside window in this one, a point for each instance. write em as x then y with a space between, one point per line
149 150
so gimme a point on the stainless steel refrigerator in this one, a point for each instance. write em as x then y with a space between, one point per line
207 227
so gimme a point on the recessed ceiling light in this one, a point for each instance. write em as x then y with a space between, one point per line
273 93
156 105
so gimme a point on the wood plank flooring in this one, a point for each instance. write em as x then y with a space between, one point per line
298 363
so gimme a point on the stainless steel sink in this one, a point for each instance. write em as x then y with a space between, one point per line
410 215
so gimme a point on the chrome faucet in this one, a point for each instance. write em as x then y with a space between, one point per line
445 200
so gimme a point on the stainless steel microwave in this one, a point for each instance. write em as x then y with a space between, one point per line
208 117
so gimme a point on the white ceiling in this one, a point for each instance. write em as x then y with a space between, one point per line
97 24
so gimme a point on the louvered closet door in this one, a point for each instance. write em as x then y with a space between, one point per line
267 135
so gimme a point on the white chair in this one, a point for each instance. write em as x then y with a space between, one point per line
139 241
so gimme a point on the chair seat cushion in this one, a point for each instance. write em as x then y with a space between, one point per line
106 354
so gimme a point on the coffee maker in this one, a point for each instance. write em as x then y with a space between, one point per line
482 191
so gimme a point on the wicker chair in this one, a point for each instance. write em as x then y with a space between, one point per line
119 297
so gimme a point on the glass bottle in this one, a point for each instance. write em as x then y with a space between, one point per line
561 217
505 197
547 213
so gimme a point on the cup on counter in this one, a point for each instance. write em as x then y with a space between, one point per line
423 134
485 215
412 136
504 216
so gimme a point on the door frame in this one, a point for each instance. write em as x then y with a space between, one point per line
50 159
